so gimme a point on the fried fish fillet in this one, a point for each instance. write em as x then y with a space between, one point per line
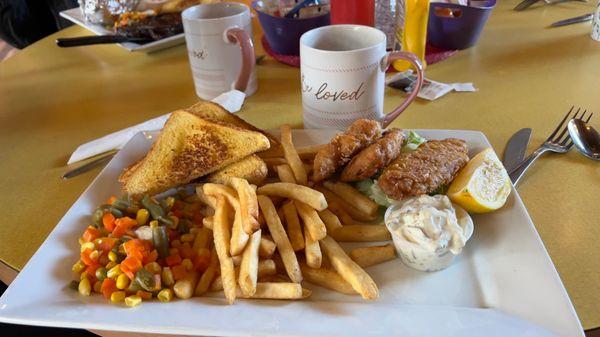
374 157
343 147
431 165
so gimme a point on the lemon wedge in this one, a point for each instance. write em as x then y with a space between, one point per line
482 185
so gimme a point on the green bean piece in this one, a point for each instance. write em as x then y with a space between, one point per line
121 205
73 285
116 212
156 212
134 287
145 279
167 203
101 273
160 239
97 217
166 221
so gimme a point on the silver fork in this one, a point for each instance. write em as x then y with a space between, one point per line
556 142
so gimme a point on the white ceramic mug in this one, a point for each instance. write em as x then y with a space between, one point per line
343 73
219 43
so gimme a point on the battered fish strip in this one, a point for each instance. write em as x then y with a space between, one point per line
431 165
343 147
375 157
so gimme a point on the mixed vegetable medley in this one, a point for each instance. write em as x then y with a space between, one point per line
137 250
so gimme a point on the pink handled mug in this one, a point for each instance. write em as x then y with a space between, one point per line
343 76
219 43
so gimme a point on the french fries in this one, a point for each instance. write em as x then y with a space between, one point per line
266 269
294 230
184 288
239 237
291 156
208 222
229 193
209 274
312 251
267 247
326 278
361 233
273 162
307 195
248 204
249 268
203 238
337 201
349 270
285 174
312 221
332 222
206 199
305 152
221 237
359 201
281 240
369 256
279 291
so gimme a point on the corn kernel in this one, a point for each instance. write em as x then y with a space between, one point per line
112 256
133 300
145 295
82 276
187 237
84 287
187 263
110 265
194 230
121 250
97 286
122 281
167 277
175 243
173 251
153 267
165 295
114 272
142 216
81 241
153 223
88 245
78 267
97 242
117 296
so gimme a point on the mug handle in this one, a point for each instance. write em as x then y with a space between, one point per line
241 37
414 60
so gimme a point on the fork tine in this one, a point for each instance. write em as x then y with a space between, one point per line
560 125
561 139
589 117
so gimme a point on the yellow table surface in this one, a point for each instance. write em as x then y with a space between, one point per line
53 99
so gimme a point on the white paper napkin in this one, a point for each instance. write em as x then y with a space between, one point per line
232 101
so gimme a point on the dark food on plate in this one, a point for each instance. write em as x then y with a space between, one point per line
433 164
148 25
343 147
375 157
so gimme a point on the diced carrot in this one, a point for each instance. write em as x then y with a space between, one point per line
85 257
178 213
108 220
150 257
187 252
173 235
90 234
108 287
178 205
198 218
144 294
179 272
91 272
111 200
201 262
172 260
135 248
130 266
106 244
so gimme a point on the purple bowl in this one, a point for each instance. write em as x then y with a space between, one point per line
284 34
461 30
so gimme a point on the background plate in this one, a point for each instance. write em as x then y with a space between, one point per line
504 283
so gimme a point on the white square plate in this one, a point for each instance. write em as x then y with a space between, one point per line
76 16
504 283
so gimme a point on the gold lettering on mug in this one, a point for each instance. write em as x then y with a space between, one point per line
305 87
341 95
198 54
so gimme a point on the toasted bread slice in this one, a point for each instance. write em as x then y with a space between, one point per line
251 168
213 111
187 148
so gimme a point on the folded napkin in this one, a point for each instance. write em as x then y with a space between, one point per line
232 101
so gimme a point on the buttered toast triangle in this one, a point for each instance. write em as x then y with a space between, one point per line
189 147
251 168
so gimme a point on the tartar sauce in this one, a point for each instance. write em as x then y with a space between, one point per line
428 231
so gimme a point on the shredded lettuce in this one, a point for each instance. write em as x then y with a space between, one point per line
371 189
413 140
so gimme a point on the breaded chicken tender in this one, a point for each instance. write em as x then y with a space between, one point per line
433 164
375 157
343 147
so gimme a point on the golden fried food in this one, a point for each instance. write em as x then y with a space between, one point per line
374 157
431 165
343 147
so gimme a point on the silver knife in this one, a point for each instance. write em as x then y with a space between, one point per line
525 4
577 19
515 148
88 166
